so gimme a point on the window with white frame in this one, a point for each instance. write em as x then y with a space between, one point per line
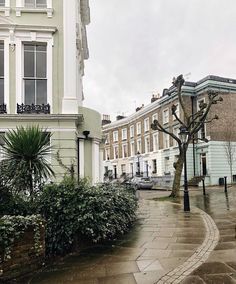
116 152
139 146
107 154
123 169
147 144
155 142
35 74
154 166
115 136
167 165
176 111
131 169
176 133
154 117
36 3
124 133
131 131
166 140
138 128
165 115
146 124
1 72
107 138
132 149
34 6
124 151
5 7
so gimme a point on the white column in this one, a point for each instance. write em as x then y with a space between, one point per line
95 161
70 102
6 74
81 158
101 165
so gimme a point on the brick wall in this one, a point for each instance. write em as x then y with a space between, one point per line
24 258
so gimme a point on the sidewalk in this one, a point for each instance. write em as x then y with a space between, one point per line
220 267
166 246
164 239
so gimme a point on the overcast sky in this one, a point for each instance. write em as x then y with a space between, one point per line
138 46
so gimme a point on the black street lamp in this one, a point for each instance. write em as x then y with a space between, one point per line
138 156
184 138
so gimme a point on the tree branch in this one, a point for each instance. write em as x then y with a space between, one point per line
178 83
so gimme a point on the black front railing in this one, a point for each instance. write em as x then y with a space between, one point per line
33 108
3 108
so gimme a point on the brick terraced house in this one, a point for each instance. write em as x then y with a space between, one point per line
132 147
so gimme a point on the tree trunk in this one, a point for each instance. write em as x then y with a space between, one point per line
177 177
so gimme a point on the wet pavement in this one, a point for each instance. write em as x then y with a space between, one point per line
220 267
163 242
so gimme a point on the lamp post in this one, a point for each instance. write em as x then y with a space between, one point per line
138 156
184 138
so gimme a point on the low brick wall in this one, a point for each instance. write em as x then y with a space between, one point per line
24 257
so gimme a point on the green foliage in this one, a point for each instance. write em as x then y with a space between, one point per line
11 204
12 228
26 166
95 213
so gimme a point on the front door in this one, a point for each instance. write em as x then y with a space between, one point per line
203 164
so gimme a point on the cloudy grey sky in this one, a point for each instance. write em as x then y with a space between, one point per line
138 46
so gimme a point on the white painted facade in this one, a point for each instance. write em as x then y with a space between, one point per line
58 27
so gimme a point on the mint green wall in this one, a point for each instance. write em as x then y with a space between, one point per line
88 159
12 85
92 122
41 19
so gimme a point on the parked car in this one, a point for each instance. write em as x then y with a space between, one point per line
141 182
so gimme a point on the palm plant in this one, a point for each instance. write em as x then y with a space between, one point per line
26 151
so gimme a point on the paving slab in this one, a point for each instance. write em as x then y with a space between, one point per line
155 246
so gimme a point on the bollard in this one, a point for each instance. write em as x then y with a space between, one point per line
203 187
225 184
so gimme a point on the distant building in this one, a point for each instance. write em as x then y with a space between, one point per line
43 45
132 146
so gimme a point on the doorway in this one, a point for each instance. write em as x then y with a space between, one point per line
203 165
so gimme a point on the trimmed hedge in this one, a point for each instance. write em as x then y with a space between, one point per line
96 213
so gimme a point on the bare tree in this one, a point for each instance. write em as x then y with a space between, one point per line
192 122
230 149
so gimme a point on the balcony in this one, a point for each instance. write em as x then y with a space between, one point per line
3 108
31 109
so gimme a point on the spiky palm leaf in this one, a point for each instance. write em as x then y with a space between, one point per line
26 150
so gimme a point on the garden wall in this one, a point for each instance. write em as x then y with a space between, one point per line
26 255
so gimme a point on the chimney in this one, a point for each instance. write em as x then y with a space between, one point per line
155 98
138 108
106 119
165 92
119 117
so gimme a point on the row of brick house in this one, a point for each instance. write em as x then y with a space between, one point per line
132 147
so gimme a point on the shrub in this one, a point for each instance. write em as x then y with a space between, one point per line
13 204
12 228
96 213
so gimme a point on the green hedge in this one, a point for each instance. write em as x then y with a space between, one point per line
12 228
95 213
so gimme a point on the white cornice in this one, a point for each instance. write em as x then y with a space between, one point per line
16 27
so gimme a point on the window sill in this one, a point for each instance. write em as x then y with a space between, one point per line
48 11
6 10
